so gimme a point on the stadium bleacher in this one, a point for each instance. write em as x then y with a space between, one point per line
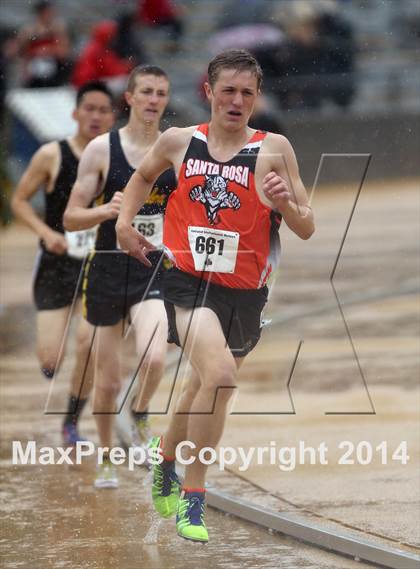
387 71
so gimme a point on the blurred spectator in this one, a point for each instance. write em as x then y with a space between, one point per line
316 63
44 47
407 24
8 51
126 44
338 36
162 13
301 62
100 60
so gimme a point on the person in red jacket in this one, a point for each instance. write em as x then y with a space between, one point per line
44 48
162 13
99 60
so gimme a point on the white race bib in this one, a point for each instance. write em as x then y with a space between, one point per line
213 250
80 243
151 226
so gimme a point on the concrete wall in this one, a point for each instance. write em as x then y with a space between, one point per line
393 140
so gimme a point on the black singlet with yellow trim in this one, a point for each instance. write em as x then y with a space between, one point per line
56 276
56 201
113 281
119 174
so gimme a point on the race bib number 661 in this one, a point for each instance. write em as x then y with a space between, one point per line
213 250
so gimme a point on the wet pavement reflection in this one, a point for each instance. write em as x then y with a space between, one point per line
53 517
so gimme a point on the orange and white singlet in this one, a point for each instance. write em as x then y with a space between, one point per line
216 226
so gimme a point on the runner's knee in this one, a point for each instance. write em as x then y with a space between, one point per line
108 390
220 375
154 364
84 341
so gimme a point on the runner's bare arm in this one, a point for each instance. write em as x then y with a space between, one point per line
157 159
284 189
38 173
78 214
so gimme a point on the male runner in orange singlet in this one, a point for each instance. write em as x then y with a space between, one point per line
235 185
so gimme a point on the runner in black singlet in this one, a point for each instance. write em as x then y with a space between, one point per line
115 285
59 262
114 282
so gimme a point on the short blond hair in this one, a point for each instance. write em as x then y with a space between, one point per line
144 70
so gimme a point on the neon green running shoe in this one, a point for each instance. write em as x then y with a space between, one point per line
166 486
190 517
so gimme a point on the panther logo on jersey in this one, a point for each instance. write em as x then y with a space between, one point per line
215 196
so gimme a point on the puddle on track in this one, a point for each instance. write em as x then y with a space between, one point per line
53 517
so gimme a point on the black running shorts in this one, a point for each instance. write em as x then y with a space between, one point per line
239 310
56 280
114 282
